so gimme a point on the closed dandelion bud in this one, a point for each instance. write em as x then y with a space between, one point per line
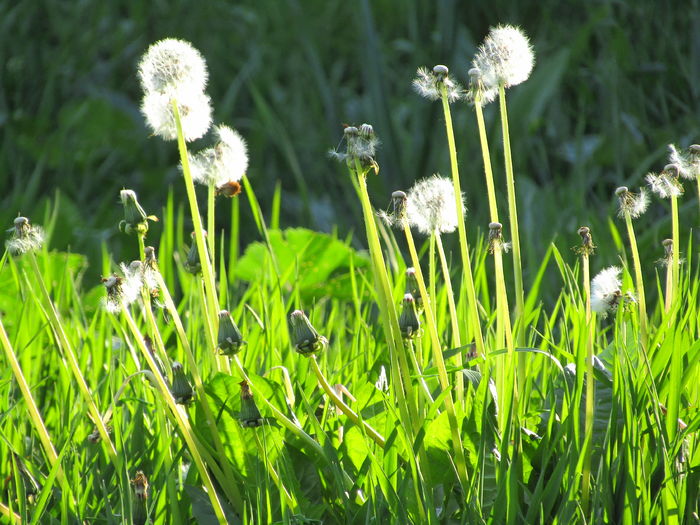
230 340
408 320
140 483
135 219
632 204
193 264
249 415
587 247
413 288
181 388
24 237
605 290
305 339
429 84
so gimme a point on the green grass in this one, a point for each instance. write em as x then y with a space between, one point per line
512 447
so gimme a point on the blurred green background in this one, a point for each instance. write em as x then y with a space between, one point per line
613 84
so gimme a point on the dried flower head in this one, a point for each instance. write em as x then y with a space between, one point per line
496 241
396 212
181 388
24 237
606 290
632 204
140 513
361 146
172 63
504 58
667 259
193 106
688 162
225 162
587 247
305 339
478 92
430 84
121 291
249 416
408 320
230 340
666 183
430 205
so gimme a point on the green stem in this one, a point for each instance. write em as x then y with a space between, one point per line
488 170
590 389
211 215
456 339
460 459
675 269
345 409
180 420
463 245
641 296
64 343
512 215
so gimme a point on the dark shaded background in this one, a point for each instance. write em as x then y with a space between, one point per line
614 83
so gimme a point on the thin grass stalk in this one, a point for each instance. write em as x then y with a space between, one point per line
459 457
512 213
590 388
639 281
207 270
183 424
675 267
456 339
288 499
69 354
461 226
34 414
344 408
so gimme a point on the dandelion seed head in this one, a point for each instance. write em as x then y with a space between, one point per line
605 290
428 84
24 237
478 92
634 204
687 163
505 57
194 107
664 185
431 207
225 162
172 63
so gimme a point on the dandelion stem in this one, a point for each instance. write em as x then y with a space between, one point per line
460 459
675 261
488 171
590 386
211 215
512 214
373 434
464 246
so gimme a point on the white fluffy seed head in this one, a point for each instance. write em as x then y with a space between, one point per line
172 64
24 237
226 161
634 204
431 207
605 290
688 163
428 84
664 185
505 57
193 105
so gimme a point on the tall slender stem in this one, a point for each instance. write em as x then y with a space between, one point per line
512 215
488 171
211 216
462 230
639 281
590 387
675 269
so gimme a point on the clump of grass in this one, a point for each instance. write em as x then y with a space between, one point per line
424 401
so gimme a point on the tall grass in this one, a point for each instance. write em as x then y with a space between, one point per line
602 427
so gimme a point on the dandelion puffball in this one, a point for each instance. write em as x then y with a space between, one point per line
505 57
431 206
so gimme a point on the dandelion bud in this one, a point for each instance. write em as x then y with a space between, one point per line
249 415
172 63
408 320
181 388
430 84
140 514
413 288
587 247
192 264
24 237
222 164
305 339
632 204
504 59
605 290
135 218
230 340
430 206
